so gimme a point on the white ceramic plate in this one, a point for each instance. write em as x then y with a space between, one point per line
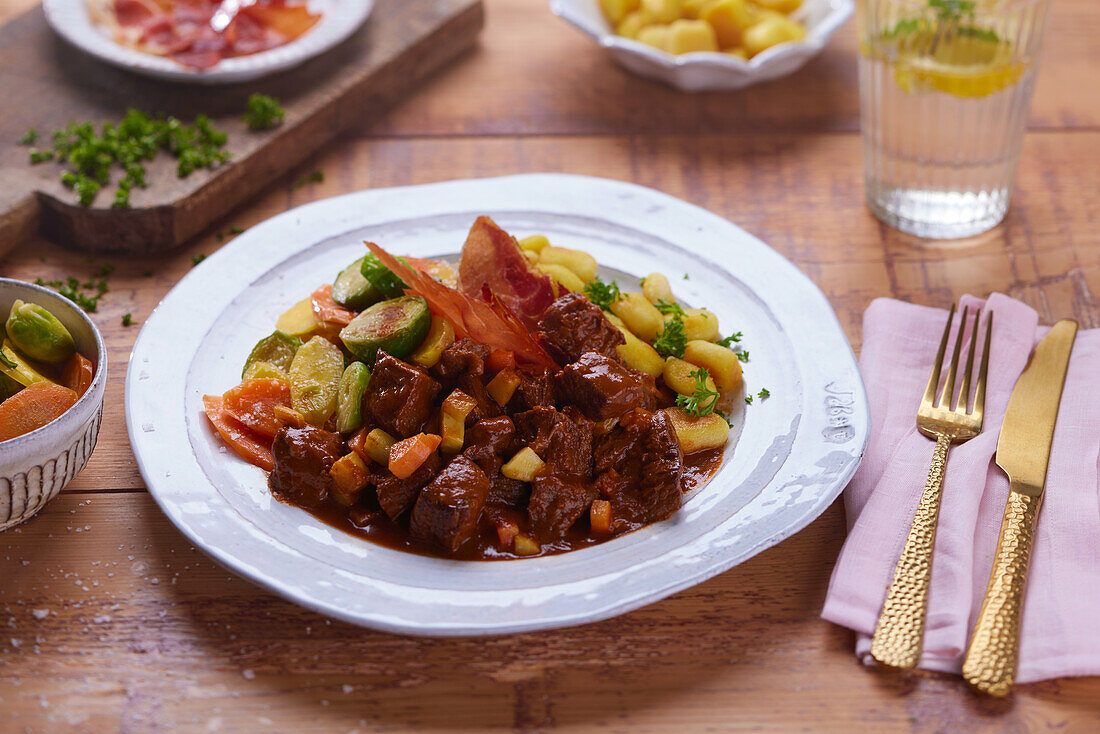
796 451
703 71
339 19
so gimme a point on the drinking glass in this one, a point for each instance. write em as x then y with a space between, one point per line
944 87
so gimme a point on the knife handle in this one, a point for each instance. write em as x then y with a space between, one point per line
899 634
990 664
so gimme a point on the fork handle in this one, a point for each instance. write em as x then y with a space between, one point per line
990 664
899 634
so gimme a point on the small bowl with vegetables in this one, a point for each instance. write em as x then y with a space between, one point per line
707 45
52 376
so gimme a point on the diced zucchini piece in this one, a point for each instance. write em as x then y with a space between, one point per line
22 372
377 445
349 397
523 466
441 335
277 349
698 433
525 546
396 326
456 407
315 379
352 290
299 320
384 280
503 386
349 478
722 363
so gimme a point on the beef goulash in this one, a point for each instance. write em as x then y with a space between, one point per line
518 407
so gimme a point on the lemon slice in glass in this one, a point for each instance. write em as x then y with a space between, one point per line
968 63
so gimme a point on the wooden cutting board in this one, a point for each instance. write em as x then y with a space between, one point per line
45 83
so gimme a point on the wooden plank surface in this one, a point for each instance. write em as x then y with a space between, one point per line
200 650
46 83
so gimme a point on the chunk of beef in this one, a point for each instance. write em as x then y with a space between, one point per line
574 325
536 388
602 388
505 492
639 465
303 457
447 512
465 356
396 495
556 503
400 397
562 439
487 442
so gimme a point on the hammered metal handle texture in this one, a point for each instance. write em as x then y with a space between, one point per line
990 664
899 634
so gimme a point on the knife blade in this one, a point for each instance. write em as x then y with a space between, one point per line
1023 452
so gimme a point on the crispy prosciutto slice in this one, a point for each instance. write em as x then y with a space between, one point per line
486 319
492 257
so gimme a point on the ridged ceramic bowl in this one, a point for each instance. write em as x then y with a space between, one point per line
35 466
705 70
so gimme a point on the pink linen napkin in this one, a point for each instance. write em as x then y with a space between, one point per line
1060 633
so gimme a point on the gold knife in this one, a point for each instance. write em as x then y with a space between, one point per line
1023 451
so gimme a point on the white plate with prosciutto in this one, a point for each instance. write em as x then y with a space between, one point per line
205 41
493 406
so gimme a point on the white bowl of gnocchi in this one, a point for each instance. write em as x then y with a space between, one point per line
707 45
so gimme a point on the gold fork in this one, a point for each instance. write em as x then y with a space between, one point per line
899 634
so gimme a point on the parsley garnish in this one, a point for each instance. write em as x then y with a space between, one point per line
264 112
666 308
127 320
703 400
91 155
602 294
6 361
748 399
235 230
743 356
315 177
731 339
672 341
198 258
687 277
30 137
764 393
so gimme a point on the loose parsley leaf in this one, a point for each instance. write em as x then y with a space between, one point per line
264 112
30 137
764 393
703 400
602 294
666 308
672 340
127 320
315 177
743 356
235 230
198 258
731 339
748 399
4 360
687 277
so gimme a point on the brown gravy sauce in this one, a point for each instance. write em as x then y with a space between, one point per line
380 529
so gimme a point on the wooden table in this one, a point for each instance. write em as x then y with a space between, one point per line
115 623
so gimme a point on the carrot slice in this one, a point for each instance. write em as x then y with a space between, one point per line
253 403
328 310
407 456
33 407
78 373
249 446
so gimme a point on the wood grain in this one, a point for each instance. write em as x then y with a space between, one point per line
200 650
46 83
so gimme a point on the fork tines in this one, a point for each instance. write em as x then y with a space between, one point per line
948 400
